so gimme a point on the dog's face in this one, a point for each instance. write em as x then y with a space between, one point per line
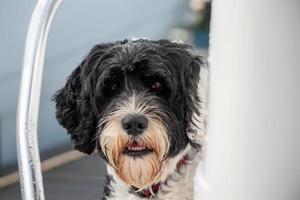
134 101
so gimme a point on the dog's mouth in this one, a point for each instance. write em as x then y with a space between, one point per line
136 149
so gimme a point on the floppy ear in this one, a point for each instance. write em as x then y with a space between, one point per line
74 107
195 101
191 98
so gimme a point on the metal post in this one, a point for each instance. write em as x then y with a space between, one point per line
29 97
254 102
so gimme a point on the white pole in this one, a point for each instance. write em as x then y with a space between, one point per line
29 97
253 150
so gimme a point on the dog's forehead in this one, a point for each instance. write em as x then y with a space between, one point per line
146 66
144 60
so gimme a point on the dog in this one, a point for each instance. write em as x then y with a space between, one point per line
138 103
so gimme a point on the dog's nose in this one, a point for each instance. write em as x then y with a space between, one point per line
134 124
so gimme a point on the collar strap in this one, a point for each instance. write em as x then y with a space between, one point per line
147 193
182 162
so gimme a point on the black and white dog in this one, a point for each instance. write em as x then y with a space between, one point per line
138 102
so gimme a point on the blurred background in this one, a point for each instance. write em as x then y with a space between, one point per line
75 29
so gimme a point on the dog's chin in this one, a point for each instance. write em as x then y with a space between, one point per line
139 168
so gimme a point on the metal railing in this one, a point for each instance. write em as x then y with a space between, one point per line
29 98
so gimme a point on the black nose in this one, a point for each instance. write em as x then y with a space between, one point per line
134 124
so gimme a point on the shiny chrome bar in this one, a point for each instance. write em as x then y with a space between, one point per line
29 97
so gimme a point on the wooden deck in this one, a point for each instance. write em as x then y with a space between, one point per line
78 180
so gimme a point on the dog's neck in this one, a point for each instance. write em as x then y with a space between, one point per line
173 184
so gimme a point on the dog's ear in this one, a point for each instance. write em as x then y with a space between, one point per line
194 100
74 107
189 103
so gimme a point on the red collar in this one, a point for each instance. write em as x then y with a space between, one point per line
146 193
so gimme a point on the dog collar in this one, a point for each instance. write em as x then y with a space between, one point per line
147 193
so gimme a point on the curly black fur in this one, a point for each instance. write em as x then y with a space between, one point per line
113 70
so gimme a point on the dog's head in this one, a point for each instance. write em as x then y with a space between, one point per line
136 101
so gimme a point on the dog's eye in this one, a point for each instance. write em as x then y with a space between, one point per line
113 87
156 86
